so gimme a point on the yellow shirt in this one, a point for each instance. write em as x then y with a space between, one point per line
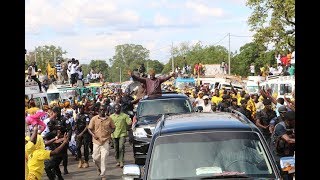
29 148
216 99
36 162
32 110
251 106
239 99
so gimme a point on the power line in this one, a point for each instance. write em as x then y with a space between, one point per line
220 40
239 36
159 48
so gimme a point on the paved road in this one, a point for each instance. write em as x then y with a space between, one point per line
90 173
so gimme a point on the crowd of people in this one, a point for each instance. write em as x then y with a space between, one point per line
285 66
98 122
69 72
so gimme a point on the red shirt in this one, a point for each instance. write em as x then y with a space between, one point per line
284 60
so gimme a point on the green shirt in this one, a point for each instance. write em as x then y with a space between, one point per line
121 122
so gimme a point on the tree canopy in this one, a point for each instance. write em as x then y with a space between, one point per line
274 22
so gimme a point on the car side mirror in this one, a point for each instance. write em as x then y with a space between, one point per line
131 172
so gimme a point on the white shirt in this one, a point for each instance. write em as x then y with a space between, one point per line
278 59
46 130
33 70
73 69
207 108
199 102
293 59
80 75
272 70
252 68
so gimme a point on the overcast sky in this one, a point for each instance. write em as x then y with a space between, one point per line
90 29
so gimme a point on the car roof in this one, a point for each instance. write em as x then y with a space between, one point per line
206 121
164 96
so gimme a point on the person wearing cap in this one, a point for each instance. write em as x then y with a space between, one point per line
282 110
199 101
283 140
207 104
264 117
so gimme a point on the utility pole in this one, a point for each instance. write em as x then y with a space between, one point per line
120 74
35 54
54 57
172 57
147 65
122 60
229 56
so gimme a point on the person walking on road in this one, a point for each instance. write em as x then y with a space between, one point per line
82 137
101 127
121 121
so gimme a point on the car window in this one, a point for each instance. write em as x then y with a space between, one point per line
164 106
196 155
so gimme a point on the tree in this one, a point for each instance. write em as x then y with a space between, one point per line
251 53
156 65
274 22
127 56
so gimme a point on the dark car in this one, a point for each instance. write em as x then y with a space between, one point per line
149 110
218 145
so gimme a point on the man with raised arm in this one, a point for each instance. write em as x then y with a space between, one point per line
152 84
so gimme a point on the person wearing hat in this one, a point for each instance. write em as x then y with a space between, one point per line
207 104
264 117
199 101
282 110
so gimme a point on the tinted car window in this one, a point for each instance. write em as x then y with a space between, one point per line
164 106
198 155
